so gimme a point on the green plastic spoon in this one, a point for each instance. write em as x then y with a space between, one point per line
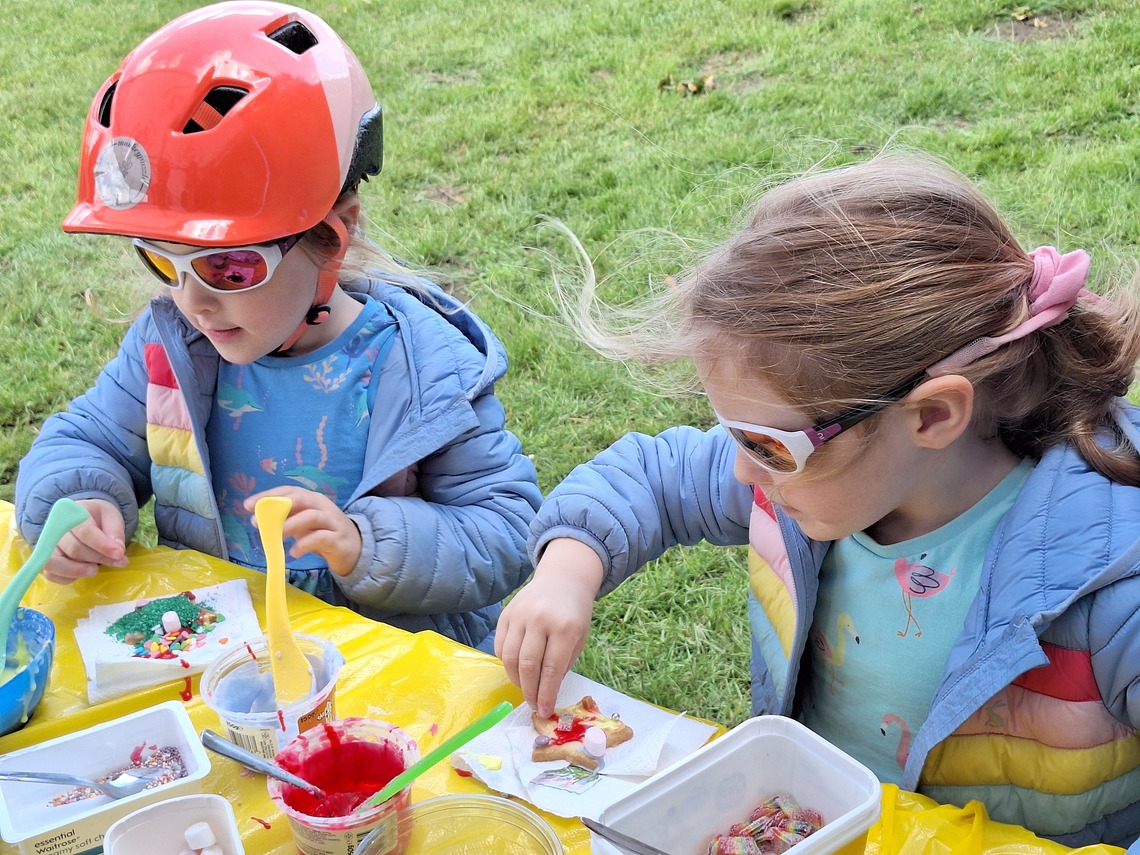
484 722
62 518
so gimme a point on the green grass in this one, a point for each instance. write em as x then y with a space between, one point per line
499 114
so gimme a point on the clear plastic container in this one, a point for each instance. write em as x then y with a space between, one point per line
339 757
465 825
239 688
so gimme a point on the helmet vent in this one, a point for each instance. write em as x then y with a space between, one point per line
295 36
218 101
105 105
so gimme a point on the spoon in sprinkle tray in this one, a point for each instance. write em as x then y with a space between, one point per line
125 783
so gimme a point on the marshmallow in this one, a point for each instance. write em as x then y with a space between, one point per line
594 741
171 622
200 836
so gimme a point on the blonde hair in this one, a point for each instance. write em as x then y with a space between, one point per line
364 257
846 282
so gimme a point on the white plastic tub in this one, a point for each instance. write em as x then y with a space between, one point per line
683 806
36 827
159 829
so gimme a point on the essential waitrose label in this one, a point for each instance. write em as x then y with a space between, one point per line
67 842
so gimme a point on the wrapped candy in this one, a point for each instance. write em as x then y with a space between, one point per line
774 826
724 844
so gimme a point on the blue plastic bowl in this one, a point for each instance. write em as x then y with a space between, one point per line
21 692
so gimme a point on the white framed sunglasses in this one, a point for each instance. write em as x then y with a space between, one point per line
220 269
786 452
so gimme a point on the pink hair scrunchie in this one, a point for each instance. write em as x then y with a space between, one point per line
1058 282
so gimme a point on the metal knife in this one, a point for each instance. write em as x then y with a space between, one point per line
622 841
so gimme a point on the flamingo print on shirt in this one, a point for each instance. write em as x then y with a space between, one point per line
834 655
903 751
917 580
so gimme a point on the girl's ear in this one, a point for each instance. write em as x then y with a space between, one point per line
347 207
938 411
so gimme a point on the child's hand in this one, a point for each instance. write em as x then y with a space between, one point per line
317 525
544 628
95 541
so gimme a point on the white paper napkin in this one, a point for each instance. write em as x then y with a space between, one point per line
660 739
113 669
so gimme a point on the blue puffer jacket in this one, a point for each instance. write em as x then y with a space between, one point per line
1037 711
446 495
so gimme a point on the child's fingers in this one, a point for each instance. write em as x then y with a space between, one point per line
89 543
102 538
63 571
530 669
556 662
508 638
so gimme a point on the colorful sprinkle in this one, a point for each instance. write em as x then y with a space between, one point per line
166 627
168 757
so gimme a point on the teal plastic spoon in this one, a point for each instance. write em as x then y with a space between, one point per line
62 518
484 722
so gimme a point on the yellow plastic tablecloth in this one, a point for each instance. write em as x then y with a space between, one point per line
425 683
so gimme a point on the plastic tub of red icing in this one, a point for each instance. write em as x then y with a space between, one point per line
350 759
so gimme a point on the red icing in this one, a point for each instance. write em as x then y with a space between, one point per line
185 664
348 772
187 694
262 821
249 649
281 720
575 734
462 773
136 755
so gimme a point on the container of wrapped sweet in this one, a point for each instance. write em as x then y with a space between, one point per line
66 820
770 780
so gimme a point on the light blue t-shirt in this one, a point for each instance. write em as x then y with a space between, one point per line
884 624
296 421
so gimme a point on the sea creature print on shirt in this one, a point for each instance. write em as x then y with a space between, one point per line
323 375
237 402
915 579
312 477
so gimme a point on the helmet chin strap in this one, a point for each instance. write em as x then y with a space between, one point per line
327 281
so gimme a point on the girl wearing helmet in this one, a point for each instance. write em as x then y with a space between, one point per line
284 359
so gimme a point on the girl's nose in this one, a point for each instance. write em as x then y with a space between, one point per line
748 472
194 297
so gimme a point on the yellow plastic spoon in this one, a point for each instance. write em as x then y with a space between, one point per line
292 671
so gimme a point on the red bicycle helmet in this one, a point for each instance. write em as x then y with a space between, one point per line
241 122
